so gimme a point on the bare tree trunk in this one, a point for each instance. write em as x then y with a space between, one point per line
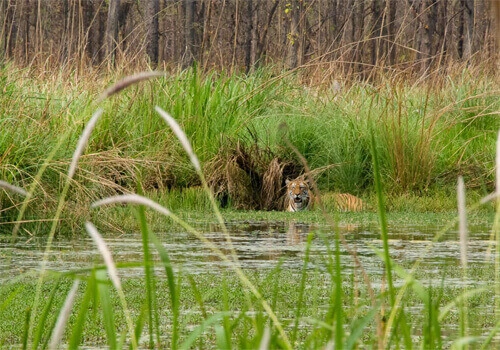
207 38
293 34
112 31
248 34
152 29
496 16
26 11
255 39
468 28
376 32
425 45
347 55
442 32
189 35
263 37
101 33
4 5
236 25
251 36
66 36
123 27
426 12
431 31
391 30
359 31
88 23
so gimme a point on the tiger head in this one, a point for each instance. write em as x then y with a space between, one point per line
298 196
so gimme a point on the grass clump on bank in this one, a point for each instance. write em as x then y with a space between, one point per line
426 136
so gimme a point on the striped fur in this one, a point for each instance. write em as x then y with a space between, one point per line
298 196
347 202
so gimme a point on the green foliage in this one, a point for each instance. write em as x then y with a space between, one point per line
382 141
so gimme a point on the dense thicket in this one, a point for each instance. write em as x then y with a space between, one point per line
356 35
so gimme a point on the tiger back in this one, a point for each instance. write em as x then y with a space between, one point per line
345 202
298 195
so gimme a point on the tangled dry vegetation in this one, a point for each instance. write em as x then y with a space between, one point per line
250 176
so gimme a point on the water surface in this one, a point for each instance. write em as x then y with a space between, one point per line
261 245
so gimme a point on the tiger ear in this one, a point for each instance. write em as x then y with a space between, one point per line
287 181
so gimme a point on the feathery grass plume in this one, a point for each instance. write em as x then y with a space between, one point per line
266 338
113 275
82 142
127 81
137 199
496 231
181 136
106 254
497 165
71 172
462 227
462 222
62 319
134 199
13 188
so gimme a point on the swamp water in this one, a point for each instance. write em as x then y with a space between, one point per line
264 245
261 245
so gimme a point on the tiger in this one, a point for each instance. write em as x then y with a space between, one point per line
345 202
299 196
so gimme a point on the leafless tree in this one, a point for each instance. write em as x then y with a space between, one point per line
152 29
357 37
112 30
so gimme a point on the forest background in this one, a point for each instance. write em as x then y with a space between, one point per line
352 37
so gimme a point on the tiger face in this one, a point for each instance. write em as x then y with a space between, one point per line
298 195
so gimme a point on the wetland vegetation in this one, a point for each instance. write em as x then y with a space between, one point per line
242 128
145 210
355 279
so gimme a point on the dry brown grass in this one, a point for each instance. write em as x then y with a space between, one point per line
249 177
252 177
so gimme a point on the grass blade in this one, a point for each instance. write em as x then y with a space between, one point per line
302 288
77 333
496 231
82 142
191 339
127 81
181 136
174 301
136 199
62 319
113 275
462 223
107 308
358 328
339 322
266 339
382 219
16 189
43 317
462 226
401 319
149 276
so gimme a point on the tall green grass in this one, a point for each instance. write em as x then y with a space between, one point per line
384 124
427 135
